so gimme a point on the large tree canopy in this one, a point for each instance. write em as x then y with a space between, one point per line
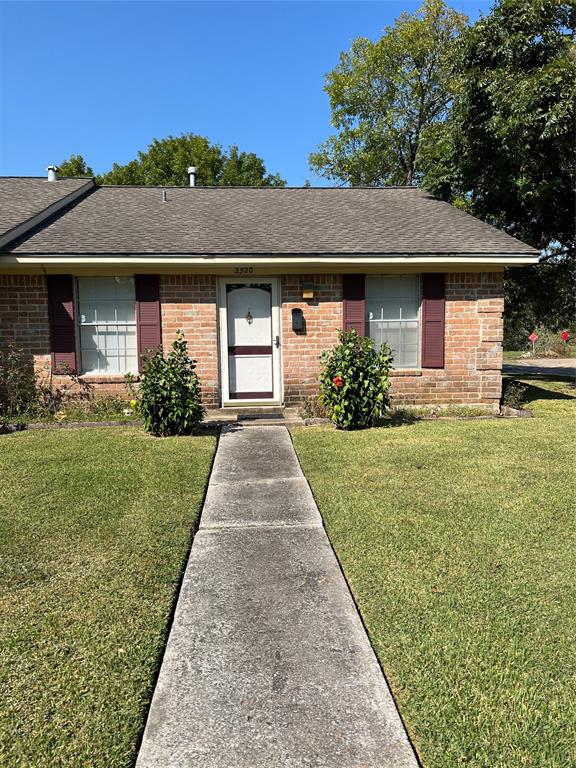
166 161
482 116
75 165
386 95
506 151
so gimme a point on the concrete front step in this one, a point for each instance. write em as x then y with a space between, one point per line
260 416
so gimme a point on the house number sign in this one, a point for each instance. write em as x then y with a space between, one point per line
243 270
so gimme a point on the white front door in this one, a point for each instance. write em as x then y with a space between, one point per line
250 341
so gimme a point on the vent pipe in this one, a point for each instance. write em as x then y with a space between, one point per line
52 173
192 175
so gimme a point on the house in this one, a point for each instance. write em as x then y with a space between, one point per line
259 279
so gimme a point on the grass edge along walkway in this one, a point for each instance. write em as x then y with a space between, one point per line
95 526
458 541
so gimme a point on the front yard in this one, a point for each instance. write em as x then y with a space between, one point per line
94 531
458 541
457 538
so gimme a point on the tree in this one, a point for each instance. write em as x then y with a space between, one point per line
248 170
75 166
506 152
165 162
507 149
386 95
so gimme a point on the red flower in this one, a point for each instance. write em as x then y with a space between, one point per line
565 335
338 381
533 337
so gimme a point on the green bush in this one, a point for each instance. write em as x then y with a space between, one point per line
549 344
513 393
170 397
355 381
17 382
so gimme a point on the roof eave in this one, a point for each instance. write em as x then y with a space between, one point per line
24 227
48 260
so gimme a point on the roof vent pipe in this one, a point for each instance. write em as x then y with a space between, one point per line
52 172
192 175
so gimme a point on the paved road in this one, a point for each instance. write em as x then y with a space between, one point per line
528 366
268 664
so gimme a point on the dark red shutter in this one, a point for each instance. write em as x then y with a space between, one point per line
354 304
61 317
433 309
148 320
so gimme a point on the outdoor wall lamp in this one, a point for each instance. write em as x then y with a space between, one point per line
308 291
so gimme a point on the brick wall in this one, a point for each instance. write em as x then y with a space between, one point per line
24 317
473 347
473 343
189 304
473 353
324 318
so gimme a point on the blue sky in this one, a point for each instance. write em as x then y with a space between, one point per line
102 79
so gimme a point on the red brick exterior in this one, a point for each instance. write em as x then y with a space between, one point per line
473 347
473 339
188 303
24 317
324 318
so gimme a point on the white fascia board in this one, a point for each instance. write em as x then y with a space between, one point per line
148 260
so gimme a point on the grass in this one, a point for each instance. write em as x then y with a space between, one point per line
458 541
95 526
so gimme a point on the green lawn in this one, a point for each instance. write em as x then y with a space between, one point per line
458 541
95 525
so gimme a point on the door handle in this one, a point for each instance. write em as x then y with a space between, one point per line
277 342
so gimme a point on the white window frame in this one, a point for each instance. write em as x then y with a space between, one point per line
79 325
400 320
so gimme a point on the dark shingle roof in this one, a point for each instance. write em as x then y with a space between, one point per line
229 220
23 198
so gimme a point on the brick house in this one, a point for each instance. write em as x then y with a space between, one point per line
260 280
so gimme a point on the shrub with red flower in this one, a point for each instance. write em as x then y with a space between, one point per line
355 380
565 335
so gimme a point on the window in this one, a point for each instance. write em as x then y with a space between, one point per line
392 315
107 320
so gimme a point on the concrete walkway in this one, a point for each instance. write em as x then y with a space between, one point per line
268 664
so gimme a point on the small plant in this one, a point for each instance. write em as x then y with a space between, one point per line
103 408
170 395
53 398
130 384
514 394
547 343
17 382
355 381
313 408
